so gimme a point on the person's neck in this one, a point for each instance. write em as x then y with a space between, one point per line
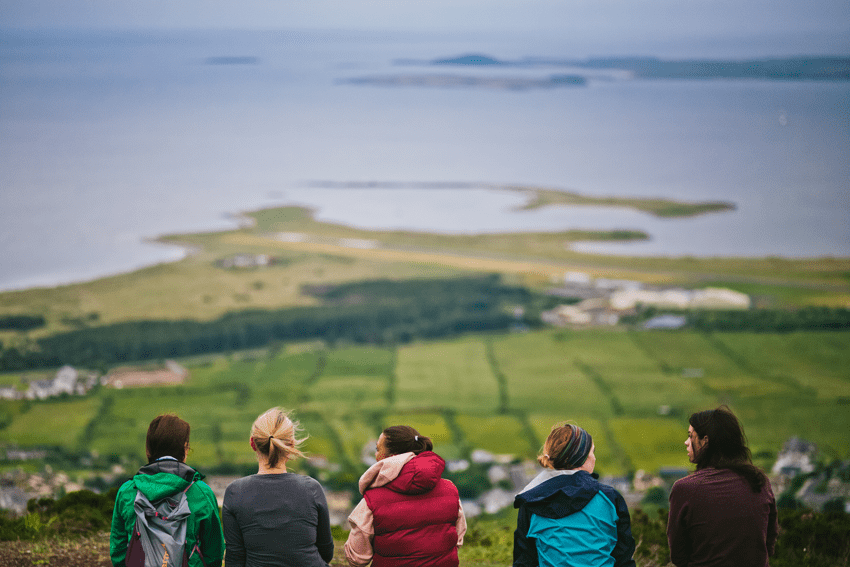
264 468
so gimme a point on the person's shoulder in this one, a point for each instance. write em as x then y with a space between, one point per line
204 487
240 484
690 481
448 484
129 487
296 480
610 492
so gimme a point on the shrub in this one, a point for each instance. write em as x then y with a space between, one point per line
75 514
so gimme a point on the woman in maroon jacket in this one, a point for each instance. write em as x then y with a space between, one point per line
409 514
724 513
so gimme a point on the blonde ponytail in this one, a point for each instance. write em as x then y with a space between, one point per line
274 435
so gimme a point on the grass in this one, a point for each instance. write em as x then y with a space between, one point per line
540 376
54 422
652 443
452 374
499 434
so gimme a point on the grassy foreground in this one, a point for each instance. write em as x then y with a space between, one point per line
806 538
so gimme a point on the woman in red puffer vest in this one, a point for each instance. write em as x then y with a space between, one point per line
409 515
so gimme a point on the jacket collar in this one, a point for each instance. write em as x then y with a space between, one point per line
559 496
406 473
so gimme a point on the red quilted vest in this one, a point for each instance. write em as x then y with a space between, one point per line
415 516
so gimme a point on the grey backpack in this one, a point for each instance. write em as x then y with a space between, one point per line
159 536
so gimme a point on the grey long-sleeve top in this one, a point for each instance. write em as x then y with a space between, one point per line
276 520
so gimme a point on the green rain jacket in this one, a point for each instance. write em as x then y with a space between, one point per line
158 480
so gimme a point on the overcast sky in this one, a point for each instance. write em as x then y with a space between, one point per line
823 23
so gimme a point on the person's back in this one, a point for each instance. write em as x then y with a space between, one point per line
276 519
571 519
409 515
717 519
724 513
166 476
566 517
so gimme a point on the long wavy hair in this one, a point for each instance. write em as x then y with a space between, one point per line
727 445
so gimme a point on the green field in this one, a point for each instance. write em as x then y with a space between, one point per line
632 390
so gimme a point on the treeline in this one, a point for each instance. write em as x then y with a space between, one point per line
772 320
21 322
376 312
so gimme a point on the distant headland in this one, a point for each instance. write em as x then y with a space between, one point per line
792 68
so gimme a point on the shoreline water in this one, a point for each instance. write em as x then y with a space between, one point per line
244 220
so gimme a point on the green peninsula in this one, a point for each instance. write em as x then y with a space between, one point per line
538 197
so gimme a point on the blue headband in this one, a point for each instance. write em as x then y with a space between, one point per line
578 448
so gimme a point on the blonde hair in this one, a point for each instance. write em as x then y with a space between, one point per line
274 433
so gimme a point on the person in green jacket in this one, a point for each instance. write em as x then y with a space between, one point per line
167 474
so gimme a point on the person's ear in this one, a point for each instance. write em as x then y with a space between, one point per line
253 446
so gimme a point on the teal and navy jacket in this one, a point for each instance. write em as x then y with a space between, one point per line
156 481
572 520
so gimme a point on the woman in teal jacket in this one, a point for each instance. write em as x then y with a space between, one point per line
566 517
167 475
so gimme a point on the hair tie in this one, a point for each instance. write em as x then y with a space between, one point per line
416 438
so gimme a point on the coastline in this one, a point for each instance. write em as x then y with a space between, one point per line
509 200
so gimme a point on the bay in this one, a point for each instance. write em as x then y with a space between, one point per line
108 140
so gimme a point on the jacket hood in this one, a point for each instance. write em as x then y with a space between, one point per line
560 496
406 473
159 479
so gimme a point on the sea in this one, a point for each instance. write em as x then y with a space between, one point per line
110 139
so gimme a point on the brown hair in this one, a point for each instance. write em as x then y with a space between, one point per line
274 433
727 445
400 439
566 447
168 436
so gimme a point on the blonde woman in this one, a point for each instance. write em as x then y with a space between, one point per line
276 518
568 518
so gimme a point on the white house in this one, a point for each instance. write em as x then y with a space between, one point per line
9 393
709 298
65 381
716 297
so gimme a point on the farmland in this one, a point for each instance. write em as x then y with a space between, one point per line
632 390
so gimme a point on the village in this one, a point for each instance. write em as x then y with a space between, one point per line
604 301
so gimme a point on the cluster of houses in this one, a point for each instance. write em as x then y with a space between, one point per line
246 261
68 381
603 301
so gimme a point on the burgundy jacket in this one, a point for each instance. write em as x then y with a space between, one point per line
415 516
716 519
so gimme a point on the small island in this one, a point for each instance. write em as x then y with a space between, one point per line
466 81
